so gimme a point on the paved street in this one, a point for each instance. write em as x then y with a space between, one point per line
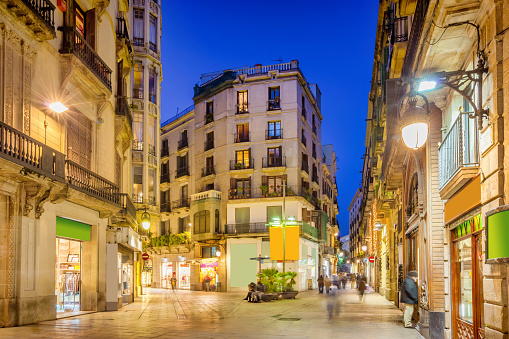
184 314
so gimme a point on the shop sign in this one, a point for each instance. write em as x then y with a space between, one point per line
372 259
62 5
145 256
471 225
497 234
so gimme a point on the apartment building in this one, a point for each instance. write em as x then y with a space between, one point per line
252 136
356 236
67 221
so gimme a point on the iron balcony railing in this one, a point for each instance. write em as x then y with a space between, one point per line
165 152
245 228
88 182
76 44
242 137
165 207
208 170
304 166
459 149
23 150
274 162
304 140
314 129
271 134
239 193
139 42
153 47
239 165
314 154
123 109
315 178
138 93
242 109
44 10
273 105
165 177
272 192
182 172
178 115
402 27
180 203
183 143
137 145
151 200
152 150
209 117
138 198
209 144
127 206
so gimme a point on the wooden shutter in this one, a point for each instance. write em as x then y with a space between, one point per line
265 180
90 27
233 183
305 214
281 151
120 78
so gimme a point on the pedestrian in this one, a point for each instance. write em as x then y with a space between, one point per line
352 279
173 283
361 287
207 283
327 282
320 284
409 297
332 303
343 280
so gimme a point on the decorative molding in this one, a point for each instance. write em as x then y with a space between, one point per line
32 193
28 54
11 245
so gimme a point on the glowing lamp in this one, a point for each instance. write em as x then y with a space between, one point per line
58 107
145 220
364 247
414 125
218 253
426 86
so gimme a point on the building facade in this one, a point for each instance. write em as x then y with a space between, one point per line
436 205
228 159
356 237
68 222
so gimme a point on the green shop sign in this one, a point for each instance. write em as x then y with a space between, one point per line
497 229
471 225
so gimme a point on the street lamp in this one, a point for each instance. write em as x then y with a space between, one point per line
414 122
364 248
145 220
56 107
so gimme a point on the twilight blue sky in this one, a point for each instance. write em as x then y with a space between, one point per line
332 39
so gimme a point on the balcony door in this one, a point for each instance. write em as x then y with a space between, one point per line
79 139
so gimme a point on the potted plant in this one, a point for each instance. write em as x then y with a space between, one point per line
237 166
264 189
289 191
270 278
289 281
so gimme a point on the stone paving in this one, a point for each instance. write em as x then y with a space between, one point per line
188 314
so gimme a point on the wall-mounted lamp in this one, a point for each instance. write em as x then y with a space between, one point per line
145 220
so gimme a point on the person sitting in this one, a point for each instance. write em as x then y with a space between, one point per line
252 289
260 290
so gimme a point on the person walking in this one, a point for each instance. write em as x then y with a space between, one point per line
343 280
352 279
173 282
409 297
361 287
320 284
327 281
332 303
207 283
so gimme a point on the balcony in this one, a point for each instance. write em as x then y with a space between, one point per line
273 105
180 203
273 162
151 200
208 145
314 129
25 151
210 194
235 165
314 154
86 181
272 134
152 150
328 250
127 206
209 117
246 228
138 93
165 152
153 47
183 143
242 109
123 33
208 170
402 27
165 177
315 178
139 42
272 192
122 109
165 207
138 198
182 172
304 141
307 230
75 44
305 167
239 193
37 15
458 156
137 145
242 137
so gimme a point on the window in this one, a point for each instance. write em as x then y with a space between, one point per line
314 150
79 139
241 187
209 187
217 221
182 163
153 34
138 184
209 116
303 106
79 17
303 138
242 157
138 129
413 200
202 222
152 134
274 130
242 215
139 28
242 102
209 166
138 81
274 212
242 133
274 157
151 184
209 143
152 91
274 100
209 252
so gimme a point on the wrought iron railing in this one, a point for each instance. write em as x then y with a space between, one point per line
208 170
274 134
242 109
459 149
127 205
76 44
238 165
153 47
273 105
137 145
242 137
180 203
182 172
209 117
243 228
137 198
304 140
209 144
402 27
165 207
314 129
305 167
315 178
122 108
44 10
138 93
239 193
274 162
178 115
151 200
183 143
165 177
139 42
152 150
165 152
23 150
88 182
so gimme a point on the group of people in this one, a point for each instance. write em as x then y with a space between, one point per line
255 292
340 281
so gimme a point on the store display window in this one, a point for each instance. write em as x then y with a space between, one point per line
166 274
184 276
209 269
68 274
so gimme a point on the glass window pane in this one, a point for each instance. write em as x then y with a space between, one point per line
464 261
274 212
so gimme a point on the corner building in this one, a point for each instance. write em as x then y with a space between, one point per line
250 132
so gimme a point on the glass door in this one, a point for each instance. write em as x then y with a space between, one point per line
68 275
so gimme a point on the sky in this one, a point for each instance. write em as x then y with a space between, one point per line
333 40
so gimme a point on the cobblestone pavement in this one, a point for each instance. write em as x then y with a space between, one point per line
185 314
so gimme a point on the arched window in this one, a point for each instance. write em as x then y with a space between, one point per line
413 199
202 222
217 221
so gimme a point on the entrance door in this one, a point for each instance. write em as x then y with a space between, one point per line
68 275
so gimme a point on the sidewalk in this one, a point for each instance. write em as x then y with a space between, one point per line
188 314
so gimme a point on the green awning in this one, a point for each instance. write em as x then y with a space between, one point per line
72 229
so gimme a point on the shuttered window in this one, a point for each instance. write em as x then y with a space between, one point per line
79 139
202 222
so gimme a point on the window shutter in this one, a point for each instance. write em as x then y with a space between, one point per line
90 27
265 180
233 183
120 78
280 151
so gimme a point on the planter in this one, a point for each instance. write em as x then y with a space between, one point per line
268 296
289 295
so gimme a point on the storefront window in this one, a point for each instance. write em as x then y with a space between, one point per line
68 269
464 258
126 278
184 275
166 273
209 269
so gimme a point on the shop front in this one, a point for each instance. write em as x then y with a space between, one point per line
166 274
208 270
146 273
69 237
184 276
